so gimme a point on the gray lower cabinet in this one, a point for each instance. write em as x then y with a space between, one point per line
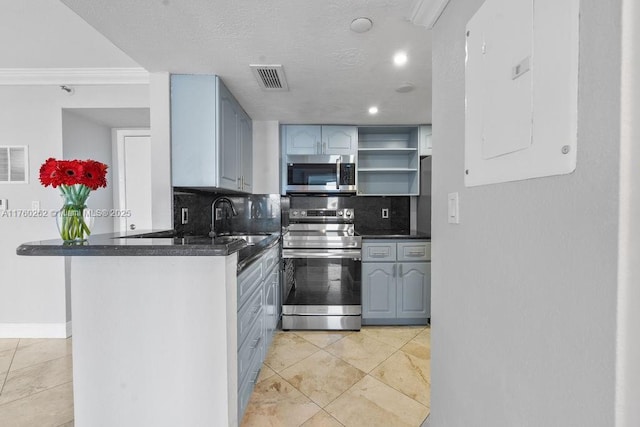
378 290
396 291
257 320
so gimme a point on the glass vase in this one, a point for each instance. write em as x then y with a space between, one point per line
74 221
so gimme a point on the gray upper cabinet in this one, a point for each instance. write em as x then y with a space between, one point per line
302 139
246 158
316 139
339 139
211 135
229 166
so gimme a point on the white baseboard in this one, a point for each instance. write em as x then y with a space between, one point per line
35 330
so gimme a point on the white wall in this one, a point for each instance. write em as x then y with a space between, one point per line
161 189
32 289
266 157
524 289
628 372
84 139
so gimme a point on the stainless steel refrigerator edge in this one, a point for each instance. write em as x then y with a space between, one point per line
424 200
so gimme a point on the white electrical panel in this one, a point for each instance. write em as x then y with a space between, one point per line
521 89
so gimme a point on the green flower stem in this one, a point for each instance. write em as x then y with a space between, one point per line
72 224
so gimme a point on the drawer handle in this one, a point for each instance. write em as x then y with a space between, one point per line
379 254
256 342
255 378
416 253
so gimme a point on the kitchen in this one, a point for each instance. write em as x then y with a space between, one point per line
158 81
227 220
562 370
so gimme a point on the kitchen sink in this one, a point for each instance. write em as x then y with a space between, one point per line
251 239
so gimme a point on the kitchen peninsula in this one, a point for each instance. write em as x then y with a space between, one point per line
155 326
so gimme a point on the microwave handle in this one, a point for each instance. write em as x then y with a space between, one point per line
338 174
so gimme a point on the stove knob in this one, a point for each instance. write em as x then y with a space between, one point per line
348 214
294 213
303 213
339 213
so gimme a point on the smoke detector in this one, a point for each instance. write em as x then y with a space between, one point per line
270 77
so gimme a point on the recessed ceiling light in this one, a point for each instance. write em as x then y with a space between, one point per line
373 110
361 25
400 59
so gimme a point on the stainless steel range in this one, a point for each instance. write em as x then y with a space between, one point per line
322 261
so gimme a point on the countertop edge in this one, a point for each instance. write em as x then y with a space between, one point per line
105 250
115 244
412 236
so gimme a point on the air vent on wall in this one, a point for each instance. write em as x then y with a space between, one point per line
270 77
13 164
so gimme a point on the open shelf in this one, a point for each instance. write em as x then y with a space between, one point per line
387 150
390 170
388 161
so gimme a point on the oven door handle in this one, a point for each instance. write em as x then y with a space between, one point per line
322 253
338 173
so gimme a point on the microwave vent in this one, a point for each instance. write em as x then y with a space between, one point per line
270 77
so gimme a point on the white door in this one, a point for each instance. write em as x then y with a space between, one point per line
134 180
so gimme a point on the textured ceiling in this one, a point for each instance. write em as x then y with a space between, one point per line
334 74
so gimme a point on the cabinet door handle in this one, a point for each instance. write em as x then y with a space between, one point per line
255 377
324 148
400 273
239 183
256 342
394 270
414 253
318 148
256 309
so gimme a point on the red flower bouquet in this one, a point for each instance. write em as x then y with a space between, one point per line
76 179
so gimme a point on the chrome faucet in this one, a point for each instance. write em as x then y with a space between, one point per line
222 199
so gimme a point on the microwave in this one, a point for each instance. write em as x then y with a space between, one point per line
320 174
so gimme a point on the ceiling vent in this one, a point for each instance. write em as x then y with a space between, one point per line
270 77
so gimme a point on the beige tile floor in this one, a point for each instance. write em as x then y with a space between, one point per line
379 376
35 383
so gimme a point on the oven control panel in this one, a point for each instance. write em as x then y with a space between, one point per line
315 214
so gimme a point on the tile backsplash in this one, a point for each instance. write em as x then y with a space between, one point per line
262 212
367 210
256 212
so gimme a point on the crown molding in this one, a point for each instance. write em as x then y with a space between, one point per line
426 12
73 76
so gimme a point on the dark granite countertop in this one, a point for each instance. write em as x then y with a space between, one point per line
150 243
392 234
